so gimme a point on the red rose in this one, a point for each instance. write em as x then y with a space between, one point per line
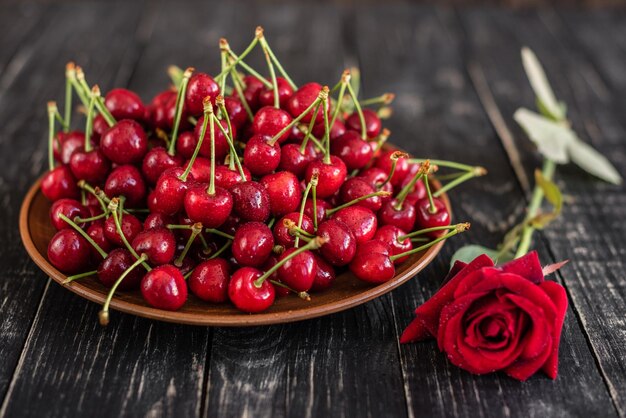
490 318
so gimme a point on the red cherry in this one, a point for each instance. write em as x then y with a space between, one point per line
211 210
236 111
164 287
284 192
266 96
69 207
389 234
302 99
186 144
324 276
331 176
69 252
298 272
66 143
340 244
260 156
96 232
291 159
252 244
126 180
251 92
158 244
361 221
163 112
337 130
200 170
125 104
372 263
131 226
221 143
170 191
356 187
418 192
322 207
251 201
269 121
125 142
376 178
59 183
271 261
246 296
425 219
384 162
227 178
116 263
91 166
209 280
354 152
281 231
100 126
372 123
157 220
156 161
402 217
200 86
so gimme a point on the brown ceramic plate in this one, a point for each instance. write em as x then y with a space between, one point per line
346 292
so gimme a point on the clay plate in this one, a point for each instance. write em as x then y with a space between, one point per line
346 292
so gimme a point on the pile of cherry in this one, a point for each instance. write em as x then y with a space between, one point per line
239 191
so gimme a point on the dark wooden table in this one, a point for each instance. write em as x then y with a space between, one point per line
55 360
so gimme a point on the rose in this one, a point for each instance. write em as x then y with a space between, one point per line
490 318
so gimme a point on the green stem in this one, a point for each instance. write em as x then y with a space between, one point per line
384 99
180 101
222 249
195 230
314 196
431 202
229 136
277 63
444 163
305 195
298 118
408 188
103 315
425 231
113 207
84 234
309 132
242 97
80 220
241 56
52 107
359 111
357 200
477 172
457 229
70 279
68 97
220 233
196 151
208 110
326 139
394 157
345 80
312 245
95 93
270 67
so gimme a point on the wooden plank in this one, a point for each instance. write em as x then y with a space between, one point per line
421 57
590 232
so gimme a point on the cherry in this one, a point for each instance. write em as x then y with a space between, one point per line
322 207
156 161
302 99
112 267
59 183
372 262
355 188
69 252
163 113
353 151
126 180
200 85
125 104
200 169
390 235
396 213
164 287
261 157
284 192
324 276
427 219
244 293
269 121
131 226
294 160
377 177
340 244
96 232
385 163
373 124
271 261
186 144
221 143
331 175
236 111
282 235
66 144
91 166
251 201
100 126
251 91
252 244
266 96
361 221
336 131
298 271
209 280
125 142
159 244
170 191
209 207
69 207
226 177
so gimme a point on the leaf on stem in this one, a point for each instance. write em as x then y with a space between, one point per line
590 160
551 138
545 96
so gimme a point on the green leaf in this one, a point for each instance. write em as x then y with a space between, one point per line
590 160
550 190
469 252
539 82
551 138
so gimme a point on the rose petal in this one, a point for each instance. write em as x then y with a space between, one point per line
527 266
556 292
538 334
454 270
415 331
483 275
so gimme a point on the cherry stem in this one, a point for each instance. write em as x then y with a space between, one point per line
223 63
229 136
359 111
220 233
116 204
95 93
195 230
221 250
196 151
314 244
381 193
444 163
68 97
52 108
314 196
302 295
326 139
476 172
103 315
309 132
84 234
80 220
98 194
305 195
180 102
225 49
236 61
425 231
321 97
238 88
423 170
270 66
296 230
394 157
382 138
383 99
458 228
259 34
431 203
108 117
208 110
345 80
70 74
70 279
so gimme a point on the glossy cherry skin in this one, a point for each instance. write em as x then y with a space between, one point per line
200 170
221 143
372 263
236 111
372 123
361 221
352 150
100 126
72 142
269 121
125 104
91 166
389 235
159 244
291 159
131 226
302 99
299 271
260 157
356 187
211 210
162 113
321 206
127 181
96 232
186 144
164 287
59 183
266 96
281 232
209 280
170 191
245 295
156 161
418 192
69 252
403 218
116 262
336 130
284 192
253 243
252 90
402 167
331 176
424 219
324 276
251 201
340 245
69 207
376 177
227 178
125 142
200 86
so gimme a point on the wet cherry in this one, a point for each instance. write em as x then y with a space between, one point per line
164 287
209 280
252 244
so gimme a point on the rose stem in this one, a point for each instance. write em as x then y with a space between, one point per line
195 230
95 92
345 80
476 172
52 107
67 113
205 122
234 63
270 67
108 117
394 157
103 315
458 228
85 235
301 295
359 111
320 98
70 279
423 170
259 32
113 207
219 101
314 244
314 178
180 102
